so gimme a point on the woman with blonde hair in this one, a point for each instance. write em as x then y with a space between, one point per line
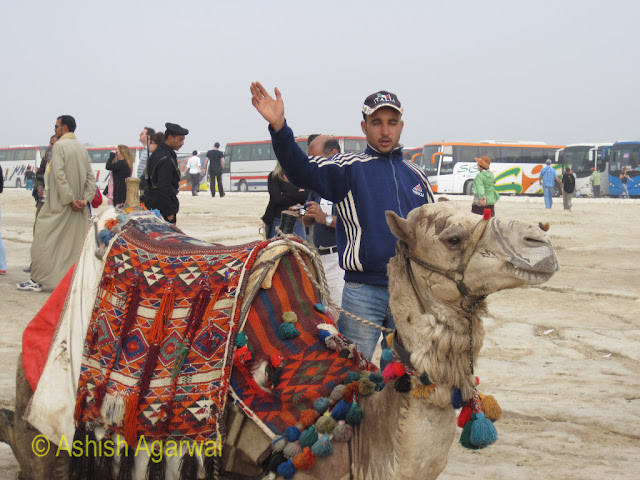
121 165
282 195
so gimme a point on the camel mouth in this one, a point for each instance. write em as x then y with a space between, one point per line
534 277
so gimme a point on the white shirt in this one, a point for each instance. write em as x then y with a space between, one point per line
194 164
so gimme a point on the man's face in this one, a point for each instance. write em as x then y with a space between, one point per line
383 129
175 141
60 129
143 137
53 140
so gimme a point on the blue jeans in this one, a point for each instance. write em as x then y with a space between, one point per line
3 253
548 196
370 302
298 229
625 191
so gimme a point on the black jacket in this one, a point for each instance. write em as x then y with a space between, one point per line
164 180
282 195
120 171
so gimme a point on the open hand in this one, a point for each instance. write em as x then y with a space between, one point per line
272 110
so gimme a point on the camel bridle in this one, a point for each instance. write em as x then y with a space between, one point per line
455 275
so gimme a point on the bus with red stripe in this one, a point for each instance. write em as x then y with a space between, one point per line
248 164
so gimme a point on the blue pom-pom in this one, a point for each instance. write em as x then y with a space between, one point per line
457 401
292 434
322 447
387 355
104 236
320 307
287 331
323 334
352 377
340 411
122 218
483 432
287 470
321 404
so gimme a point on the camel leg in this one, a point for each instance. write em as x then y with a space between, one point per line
21 435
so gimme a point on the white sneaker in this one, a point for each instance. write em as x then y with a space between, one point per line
29 286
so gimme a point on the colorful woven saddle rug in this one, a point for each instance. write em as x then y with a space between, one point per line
284 372
158 352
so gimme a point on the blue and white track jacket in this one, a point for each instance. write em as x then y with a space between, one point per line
362 186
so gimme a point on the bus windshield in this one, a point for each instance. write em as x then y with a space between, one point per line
625 155
577 158
430 163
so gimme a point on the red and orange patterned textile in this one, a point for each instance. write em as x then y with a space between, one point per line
309 370
159 349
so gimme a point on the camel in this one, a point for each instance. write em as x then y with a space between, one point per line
447 261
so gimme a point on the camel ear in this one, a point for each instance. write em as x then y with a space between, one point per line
398 225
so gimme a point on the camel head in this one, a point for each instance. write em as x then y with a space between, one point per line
486 255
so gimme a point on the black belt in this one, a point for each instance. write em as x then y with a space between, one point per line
327 251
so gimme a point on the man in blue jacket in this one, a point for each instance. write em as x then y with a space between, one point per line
362 186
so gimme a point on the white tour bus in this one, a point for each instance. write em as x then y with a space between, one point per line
249 163
516 166
582 158
15 160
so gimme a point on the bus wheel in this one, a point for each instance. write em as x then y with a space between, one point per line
18 183
468 187
243 186
557 190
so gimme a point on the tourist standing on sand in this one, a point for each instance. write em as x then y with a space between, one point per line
623 183
568 187
485 195
64 219
548 179
3 253
216 166
120 164
595 183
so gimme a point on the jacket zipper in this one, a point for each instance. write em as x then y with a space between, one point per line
395 181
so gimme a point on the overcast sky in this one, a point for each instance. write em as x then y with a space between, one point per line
554 71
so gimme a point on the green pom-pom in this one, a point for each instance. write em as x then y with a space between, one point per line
289 317
241 339
287 331
308 437
352 377
322 447
354 417
465 436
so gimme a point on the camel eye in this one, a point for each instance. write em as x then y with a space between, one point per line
453 241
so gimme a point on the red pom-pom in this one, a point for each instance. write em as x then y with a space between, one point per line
276 360
487 214
398 369
387 373
307 417
352 389
242 355
465 415
304 460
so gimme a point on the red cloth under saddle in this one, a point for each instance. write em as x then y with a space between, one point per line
37 337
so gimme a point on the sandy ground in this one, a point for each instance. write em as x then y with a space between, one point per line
563 359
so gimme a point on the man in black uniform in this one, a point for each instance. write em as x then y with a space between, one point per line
164 174
216 165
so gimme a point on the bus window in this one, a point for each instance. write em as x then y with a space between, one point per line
354 145
262 151
490 151
242 153
511 155
446 165
464 153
